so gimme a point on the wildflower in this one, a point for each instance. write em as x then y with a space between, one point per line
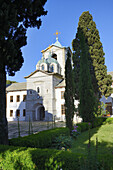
63 149
67 149
89 123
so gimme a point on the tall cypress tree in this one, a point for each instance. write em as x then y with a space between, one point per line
87 105
101 81
15 17
69 94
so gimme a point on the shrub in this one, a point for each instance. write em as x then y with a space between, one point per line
84 126
42 139
109 120
76 131
35 158
98 121
62 142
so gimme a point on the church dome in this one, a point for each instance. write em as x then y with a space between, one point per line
52 60
43 60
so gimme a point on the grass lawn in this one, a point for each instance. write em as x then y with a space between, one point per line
105 140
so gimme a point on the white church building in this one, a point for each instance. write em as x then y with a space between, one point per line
41 97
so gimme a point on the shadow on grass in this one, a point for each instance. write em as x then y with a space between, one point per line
97 142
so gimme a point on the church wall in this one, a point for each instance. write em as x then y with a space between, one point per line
55 82
21 105
59 102
45 83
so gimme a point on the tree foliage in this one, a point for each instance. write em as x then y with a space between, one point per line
10 82
69 94
15 17
101 81
88 102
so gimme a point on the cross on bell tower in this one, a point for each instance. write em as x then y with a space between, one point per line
57 33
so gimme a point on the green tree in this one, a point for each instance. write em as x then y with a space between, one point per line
88 103
15 17
69 94
101 81
10 82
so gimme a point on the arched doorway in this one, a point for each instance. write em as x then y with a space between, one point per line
42 113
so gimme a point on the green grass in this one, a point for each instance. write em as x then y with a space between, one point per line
105 140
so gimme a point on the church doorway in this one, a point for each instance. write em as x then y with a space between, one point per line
42 113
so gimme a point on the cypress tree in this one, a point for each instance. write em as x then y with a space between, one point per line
15 17
69 94
87 105
101 81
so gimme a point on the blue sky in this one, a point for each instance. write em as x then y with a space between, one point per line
63 15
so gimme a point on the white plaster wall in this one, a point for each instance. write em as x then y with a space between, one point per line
59 102
15 105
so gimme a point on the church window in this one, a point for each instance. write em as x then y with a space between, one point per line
54 56
62 94
24 112
24 98
38 90
52 68
42 67
18 113
30 91
62 109
17 98
11 98
11 113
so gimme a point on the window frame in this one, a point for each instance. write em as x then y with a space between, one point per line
24 97
24 112
42 67
11 113
18 112
11 99
62 94
62 109
17 98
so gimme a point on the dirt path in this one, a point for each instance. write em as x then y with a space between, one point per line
24 127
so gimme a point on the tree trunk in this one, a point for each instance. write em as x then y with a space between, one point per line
3 120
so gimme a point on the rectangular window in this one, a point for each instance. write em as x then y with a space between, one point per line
62 109
11 98
24 112
62 94
17 98
24 98
18 113
11 113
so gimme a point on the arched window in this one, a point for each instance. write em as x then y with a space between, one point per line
52 68
38 90
54 56
42 67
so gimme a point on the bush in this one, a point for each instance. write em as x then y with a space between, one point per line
42 139
18 158
84 126
33 158
62 142
98 121
109 120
